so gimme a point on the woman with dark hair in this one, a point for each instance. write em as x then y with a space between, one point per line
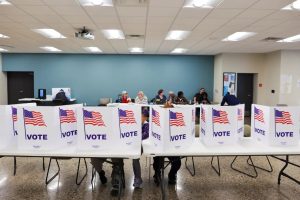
180 99
160 98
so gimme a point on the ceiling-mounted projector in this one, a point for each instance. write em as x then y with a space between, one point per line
84 34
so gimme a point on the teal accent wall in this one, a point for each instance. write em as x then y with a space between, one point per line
91 77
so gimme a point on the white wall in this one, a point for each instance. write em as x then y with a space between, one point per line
3 85
290 67
239 63
266 70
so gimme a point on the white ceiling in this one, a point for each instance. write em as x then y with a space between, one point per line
208 26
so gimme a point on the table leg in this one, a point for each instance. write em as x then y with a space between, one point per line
15 165
162 184
77 174
193 171
267 170
43 163
218 171
245 173
55 175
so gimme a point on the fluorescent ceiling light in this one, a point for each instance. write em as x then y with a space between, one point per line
293 6
179 50
96 2
177 35
49 33
238 36
4 2
3 50
202 3
3 36
113 34
93 49
295 38
52 49
136 50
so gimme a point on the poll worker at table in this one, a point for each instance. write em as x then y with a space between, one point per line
160 98
205 99
198 97
158 164
125 98
180 99
172 97
230 100
138 181
141 98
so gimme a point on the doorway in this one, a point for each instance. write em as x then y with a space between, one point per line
19 85
245 91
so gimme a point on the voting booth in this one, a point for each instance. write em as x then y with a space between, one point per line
172 128
113 129
8 120
47 128
221 125
278 126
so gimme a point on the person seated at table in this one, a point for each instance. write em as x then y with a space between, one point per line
180 99
141 98
158 164
230 99
172 97
199 96
137 183
205 99
117 165
125 98
160 98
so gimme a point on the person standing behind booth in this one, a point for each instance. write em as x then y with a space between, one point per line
230 99
136 162
160 98
180 99
125 98
158 164
141 98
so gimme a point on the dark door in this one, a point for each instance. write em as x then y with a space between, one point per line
245 91
19 85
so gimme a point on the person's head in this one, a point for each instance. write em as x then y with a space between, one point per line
140 94
124 94
160 92
180 94
202 90
145 115
171 94
228 93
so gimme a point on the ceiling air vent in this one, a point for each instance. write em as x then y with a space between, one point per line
134 36
271 39
130 3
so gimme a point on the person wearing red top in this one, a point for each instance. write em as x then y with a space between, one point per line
125 98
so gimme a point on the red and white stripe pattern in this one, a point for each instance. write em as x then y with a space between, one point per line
240 114
155 117
283 117
93 118
220 116
67 116
126 117
176 119
33 118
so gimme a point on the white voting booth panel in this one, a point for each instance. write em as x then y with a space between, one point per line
220 125
8 120
113 129
172 128
278 126
47 128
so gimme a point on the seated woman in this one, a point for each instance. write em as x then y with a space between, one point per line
141 98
